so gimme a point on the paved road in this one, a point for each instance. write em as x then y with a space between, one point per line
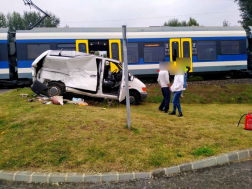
234 176
4 90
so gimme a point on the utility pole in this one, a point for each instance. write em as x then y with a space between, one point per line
126 74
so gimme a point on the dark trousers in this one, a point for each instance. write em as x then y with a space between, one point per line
167 95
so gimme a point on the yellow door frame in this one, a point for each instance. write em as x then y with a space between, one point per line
82 41
118 41
179 53
190 46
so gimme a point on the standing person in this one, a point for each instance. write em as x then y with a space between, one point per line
164 82
185 80
177 88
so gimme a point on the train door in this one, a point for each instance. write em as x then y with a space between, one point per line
180 48
186 49
115 49
82 46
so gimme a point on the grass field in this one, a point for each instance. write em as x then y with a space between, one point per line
73 138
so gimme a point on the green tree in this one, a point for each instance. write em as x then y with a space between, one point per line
225 23
3 21
53 21
176 22
173 22
193 22
15 21
246 12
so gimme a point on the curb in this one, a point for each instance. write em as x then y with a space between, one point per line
37 177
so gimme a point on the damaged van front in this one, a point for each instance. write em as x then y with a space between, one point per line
58 72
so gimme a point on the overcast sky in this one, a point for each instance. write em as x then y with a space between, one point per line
134 13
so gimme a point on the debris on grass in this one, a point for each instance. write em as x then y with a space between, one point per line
2 133
58 100
24 95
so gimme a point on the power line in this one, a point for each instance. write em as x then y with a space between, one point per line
150 17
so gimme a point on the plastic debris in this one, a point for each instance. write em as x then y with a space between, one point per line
2 133
58 100
30 100
32 107
103 109
24 95
82 103
46 102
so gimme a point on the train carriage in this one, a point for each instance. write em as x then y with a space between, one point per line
4 63
212 49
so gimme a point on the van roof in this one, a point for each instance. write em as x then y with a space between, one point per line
68 54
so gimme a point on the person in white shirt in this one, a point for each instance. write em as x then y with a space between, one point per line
177 88
164 82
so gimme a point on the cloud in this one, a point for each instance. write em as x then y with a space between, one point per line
115 13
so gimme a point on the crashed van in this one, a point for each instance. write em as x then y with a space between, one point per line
59 72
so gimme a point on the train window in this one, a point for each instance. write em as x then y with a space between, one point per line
132 51
115 51
230 47
206 50
66 46
34 50
154 52
82 47
186 49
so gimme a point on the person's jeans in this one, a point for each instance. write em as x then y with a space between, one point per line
165 102
175 101
185 80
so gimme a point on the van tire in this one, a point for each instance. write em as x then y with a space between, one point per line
134 98
54 89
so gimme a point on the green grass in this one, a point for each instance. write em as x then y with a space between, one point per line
73 138
208 94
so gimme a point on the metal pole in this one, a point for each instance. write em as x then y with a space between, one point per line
126 73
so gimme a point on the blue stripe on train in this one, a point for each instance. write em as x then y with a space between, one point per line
3 41
129 40
4 64
24 64
239 57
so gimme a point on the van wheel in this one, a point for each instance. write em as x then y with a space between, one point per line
134 98
54 89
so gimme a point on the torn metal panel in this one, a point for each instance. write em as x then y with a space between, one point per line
74 69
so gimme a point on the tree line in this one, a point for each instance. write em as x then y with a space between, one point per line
15 21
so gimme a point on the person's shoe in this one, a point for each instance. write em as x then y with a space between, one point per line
160 109
165 111
172 113
180 114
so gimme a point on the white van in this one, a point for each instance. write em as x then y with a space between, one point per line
57 72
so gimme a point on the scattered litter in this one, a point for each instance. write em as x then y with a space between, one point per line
32 107
30 100
46 102
82 103
2 133
77 100
103 109
57 100
24 95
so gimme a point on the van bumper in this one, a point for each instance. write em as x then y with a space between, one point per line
143 96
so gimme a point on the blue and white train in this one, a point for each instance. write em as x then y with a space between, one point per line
212 50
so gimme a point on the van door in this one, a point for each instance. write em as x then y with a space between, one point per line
115 49
82 46
122 89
